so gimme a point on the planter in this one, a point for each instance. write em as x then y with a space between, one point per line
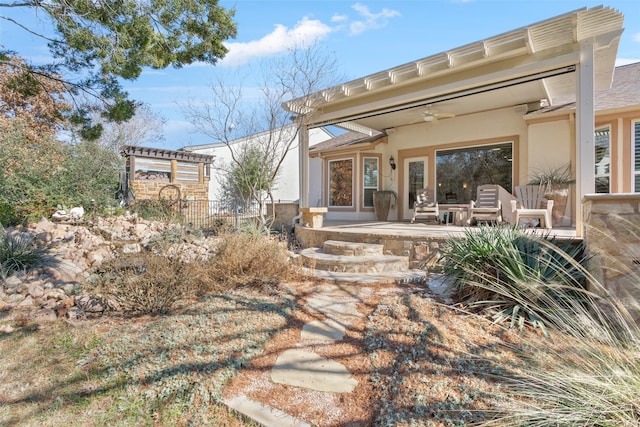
382 202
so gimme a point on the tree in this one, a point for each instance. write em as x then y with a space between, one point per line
39 171
34 102
239 182
259 134
102 41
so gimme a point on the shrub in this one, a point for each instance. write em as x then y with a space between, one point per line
147 283
516 275
8 215
158 210
20 252
249 259
172 235
593 381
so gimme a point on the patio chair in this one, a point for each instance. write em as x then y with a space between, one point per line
487 206
529 206
425 205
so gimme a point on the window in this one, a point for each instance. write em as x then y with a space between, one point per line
188 172
603 160
460 171
370 180
636 156
152 170
341 183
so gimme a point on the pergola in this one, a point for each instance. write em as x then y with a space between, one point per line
566 57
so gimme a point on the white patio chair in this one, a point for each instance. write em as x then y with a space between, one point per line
487 206
425 205
530 205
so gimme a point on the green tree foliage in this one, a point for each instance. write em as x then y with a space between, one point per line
39 177
104 40
40 172
248 176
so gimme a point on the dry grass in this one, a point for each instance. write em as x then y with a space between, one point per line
417 361
163 370
249 259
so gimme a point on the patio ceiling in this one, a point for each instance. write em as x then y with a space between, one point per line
520 67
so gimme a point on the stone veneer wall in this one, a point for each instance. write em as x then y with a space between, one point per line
285 212
612 237
149 190
422 252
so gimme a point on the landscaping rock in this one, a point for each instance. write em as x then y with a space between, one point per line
36 290
44 315
76 251
90 303
74 314
16 298
26 303
12 282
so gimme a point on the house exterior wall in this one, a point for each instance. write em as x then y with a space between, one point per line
422 140
542 144
288 182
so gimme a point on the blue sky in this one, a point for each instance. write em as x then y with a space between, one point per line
365 36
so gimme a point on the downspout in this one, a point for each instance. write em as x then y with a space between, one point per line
303 175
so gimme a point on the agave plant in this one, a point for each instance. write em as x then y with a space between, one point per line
517 276
19 252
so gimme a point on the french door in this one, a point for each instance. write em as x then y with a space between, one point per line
414 179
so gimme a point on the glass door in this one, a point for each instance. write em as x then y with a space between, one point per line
415 178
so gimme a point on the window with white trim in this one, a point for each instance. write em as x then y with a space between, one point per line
603 160
341 183
370 180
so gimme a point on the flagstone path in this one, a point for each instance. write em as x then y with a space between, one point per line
300 367
335 311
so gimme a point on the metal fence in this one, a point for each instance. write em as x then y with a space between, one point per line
218 214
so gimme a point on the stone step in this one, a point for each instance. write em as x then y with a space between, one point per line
316 258
336 247
398 278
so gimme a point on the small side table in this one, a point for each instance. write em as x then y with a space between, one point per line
458 215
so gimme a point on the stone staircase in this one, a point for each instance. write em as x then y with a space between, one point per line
350 261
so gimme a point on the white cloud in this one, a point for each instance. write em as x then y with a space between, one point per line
371 21
278 41
636 37
339 18
626 61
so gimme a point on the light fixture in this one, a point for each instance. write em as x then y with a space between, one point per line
392 163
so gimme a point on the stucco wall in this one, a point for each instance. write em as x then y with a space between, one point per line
612 229
287 186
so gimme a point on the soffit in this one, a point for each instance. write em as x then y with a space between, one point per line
542 46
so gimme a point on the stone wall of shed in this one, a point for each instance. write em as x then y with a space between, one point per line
612 238
149 190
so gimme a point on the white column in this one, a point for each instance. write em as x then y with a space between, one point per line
303 152
585 129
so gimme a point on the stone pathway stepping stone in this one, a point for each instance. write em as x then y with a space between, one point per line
306 369
323 330
332 307
264 414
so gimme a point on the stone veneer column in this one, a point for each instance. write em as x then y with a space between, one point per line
612 238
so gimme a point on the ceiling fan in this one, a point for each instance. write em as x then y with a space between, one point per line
432 115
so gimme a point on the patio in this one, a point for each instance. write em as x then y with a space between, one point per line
419 241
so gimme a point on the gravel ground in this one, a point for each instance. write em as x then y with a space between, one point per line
417 362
